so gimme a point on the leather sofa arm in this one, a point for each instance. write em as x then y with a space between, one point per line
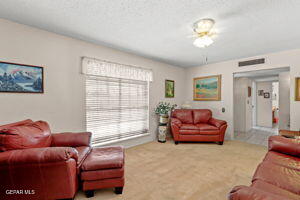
176 122
216 122
69 139
284 145
175 126
250 193
38 155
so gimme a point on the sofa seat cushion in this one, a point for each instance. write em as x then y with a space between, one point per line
283 160
206 127
282 177
189 132
104 158
267 187
189 127
102 174
29 135
250 193
83 152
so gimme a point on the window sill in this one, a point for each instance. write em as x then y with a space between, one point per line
120 140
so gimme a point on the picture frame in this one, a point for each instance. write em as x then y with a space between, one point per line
297 89
266 95
249 91
169 88
260 92
21 78
207 88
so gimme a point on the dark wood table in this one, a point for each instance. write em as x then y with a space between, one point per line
289 134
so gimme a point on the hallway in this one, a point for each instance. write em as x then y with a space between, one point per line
257 135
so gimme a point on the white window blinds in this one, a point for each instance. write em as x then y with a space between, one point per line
116 107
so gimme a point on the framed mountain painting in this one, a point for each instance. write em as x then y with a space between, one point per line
207 88
169 89
19 78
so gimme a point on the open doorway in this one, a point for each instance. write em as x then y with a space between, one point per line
260 99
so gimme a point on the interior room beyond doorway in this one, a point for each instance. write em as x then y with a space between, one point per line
260 104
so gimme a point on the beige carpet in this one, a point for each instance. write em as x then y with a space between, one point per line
193 171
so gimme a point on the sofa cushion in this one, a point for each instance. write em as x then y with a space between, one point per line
27 121
185 116
283 160
201 116
267 187
282 177
104 158
31 135
189 132
206 127
250 193
189 127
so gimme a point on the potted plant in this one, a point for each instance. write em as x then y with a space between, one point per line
163 109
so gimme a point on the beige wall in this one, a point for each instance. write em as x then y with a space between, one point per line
264 105
226 69
284 99
63 103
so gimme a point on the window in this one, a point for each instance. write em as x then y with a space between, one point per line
117 104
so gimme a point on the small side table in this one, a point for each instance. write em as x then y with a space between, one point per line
289 134
162 132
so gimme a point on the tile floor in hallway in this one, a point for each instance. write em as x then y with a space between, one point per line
257 135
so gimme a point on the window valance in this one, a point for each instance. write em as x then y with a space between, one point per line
103 68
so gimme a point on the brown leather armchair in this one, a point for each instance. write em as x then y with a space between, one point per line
277 177
35 164
197 125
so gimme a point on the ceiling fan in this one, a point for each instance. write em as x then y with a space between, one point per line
203 32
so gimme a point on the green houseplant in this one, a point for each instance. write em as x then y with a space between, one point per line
163 109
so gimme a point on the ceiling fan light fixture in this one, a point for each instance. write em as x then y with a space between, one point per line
203 41
203 25
202 29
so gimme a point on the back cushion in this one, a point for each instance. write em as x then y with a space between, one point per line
184 115
201 116
27 121
30 135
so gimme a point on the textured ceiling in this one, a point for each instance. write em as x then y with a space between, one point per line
160 29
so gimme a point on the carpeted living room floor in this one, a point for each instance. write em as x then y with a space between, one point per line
188 171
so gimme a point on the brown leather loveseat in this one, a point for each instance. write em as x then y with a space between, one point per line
197 125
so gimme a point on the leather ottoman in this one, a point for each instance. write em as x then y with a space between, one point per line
103 168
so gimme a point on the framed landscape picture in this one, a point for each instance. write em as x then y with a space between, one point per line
297 89
207 88
169 89
19 78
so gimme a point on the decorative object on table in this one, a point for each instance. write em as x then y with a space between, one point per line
186 105
20 78
297 89
207 88
163 109
169 88
267 95
260 92
249 91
